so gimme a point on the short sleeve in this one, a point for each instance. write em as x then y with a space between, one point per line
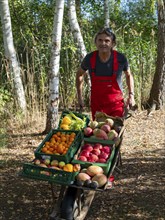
85 65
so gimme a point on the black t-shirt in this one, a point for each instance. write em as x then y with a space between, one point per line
106 69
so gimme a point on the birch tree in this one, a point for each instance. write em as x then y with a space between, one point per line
76 29
106 13
52 111
157 94
78 38
10 54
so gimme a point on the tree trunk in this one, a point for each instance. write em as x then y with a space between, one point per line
157 95
78 39
106 14
52 111
76 29
10 54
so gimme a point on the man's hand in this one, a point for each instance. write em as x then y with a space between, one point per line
79 86
130 101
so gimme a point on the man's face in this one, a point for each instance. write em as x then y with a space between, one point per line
104 43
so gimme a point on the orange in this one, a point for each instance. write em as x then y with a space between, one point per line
48 152
44 149
72 134
63 138
51 149
58 133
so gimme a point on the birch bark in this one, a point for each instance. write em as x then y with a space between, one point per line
78 38
10 54
76 29
52 112
106 13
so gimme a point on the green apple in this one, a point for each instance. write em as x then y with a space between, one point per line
54 163
47 161
61 164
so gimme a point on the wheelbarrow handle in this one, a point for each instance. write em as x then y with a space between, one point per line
128 111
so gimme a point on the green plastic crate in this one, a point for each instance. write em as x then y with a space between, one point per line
47 174
106 166
71 151
80 115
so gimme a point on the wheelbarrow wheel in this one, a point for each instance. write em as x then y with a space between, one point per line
76 203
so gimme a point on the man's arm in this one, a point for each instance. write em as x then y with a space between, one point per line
130 85
79 86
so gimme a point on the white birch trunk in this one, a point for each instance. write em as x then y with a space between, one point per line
52 114
10 53
106 13
76 29
77 35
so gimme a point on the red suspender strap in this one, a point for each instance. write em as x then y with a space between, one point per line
93 60
115 62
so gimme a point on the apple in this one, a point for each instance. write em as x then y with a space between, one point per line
82 158
61 164
102 160
37 161
88 131
106 149
46 161
96 151
54 163
87 147
112 134
85 153
98 146
106 128
103 155
93 158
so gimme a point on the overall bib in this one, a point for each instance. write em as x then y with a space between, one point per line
106 95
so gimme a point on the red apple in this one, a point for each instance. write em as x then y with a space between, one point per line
103 155
92 158
88 131
87 147
106 149
98 146
106 128
82 158
85 153
96 151
102 160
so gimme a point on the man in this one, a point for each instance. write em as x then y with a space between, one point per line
105 67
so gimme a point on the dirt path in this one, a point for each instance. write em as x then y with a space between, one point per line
138 193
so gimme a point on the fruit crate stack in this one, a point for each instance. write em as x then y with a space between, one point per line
54 154
101 141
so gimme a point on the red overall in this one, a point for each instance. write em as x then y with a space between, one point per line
106 95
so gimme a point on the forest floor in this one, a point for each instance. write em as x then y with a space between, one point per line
138 192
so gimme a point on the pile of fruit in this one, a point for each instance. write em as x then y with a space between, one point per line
95 153
59 143
57 165
72 122
92 177
106 130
